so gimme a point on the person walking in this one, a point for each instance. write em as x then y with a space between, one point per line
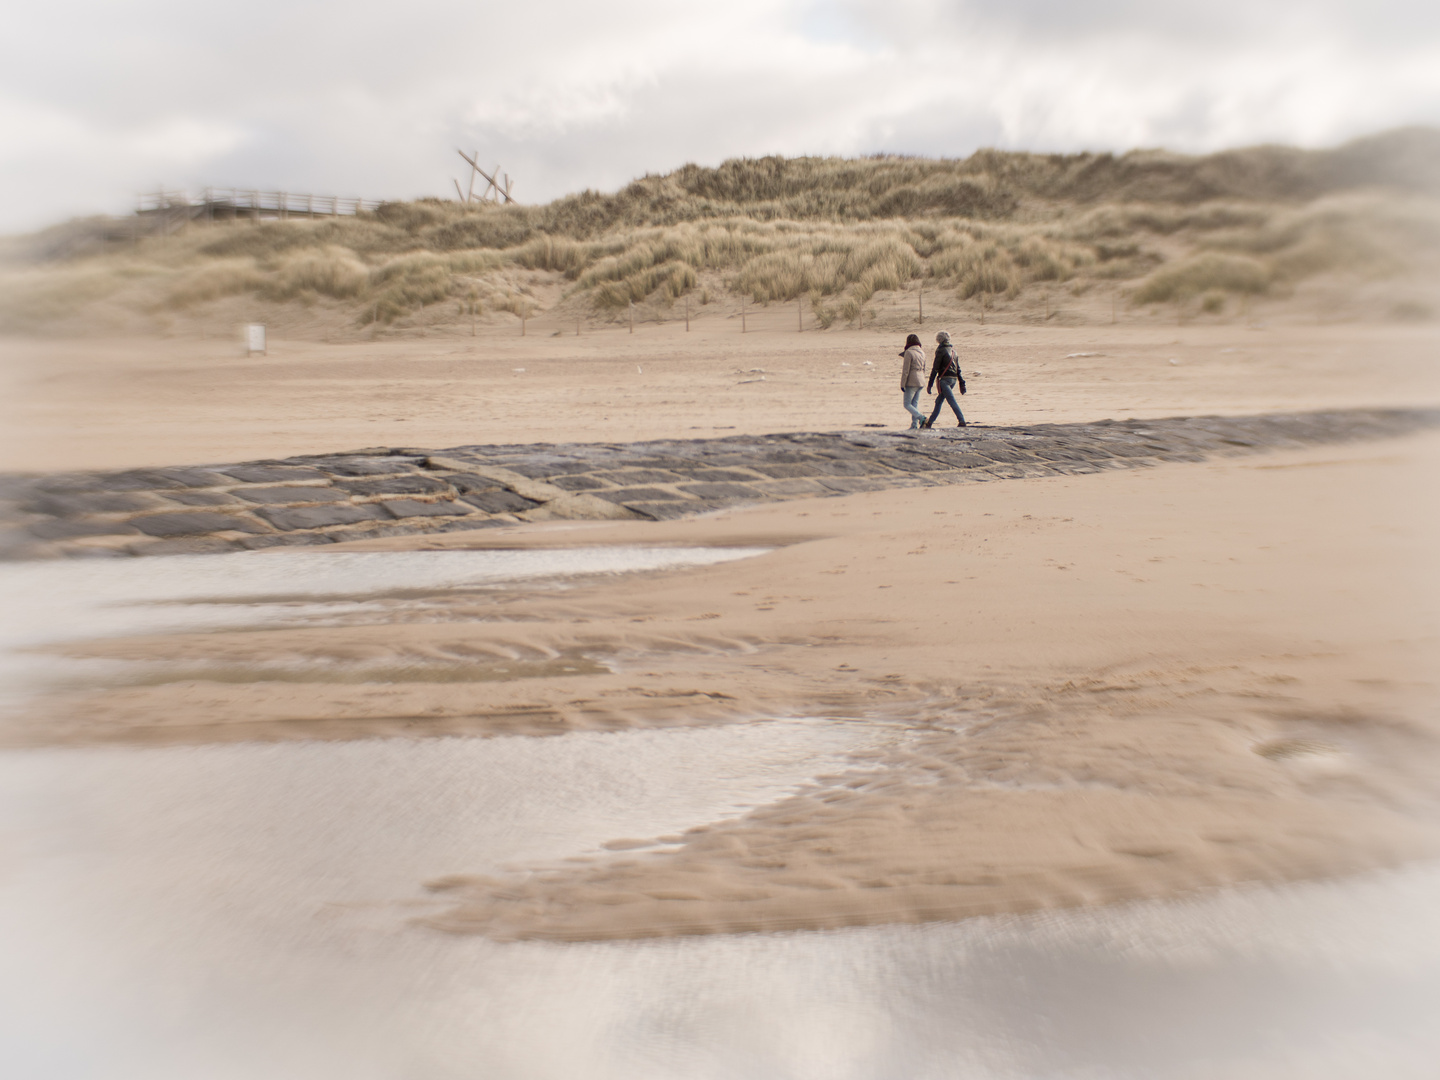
912 379
945 373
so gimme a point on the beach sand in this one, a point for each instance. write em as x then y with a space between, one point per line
1125 684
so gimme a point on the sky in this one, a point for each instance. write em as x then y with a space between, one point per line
100 99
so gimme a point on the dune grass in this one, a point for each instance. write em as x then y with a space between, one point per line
833 232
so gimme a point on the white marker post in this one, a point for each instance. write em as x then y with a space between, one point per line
255 339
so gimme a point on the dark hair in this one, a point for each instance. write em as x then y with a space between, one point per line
913 339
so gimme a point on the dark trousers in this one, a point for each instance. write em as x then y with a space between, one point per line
947 393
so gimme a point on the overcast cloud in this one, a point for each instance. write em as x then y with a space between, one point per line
99 100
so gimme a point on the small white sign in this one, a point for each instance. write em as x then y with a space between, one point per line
255 339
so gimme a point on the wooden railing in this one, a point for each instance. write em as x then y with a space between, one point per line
215 204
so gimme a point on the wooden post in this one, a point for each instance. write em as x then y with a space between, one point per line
799 316
472 318
742 314
523 313
632 316
1047 305
1112 311
687 313
982 309
577 325
922 303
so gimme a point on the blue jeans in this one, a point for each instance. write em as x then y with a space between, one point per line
947 393
912 395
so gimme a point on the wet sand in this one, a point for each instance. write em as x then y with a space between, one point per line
1127 684
1119 685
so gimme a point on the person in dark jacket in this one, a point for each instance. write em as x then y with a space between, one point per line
945 373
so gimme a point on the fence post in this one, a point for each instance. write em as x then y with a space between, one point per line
687 313
922 303
742 314
632 316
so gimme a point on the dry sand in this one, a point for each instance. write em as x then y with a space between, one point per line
1104 686
98 403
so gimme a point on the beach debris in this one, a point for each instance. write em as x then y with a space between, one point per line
518 369
1076 355
1174 361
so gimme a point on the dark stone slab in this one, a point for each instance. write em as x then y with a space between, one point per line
363 466
293 539
193 523
664 511
465 524
414 484
93 503
499 501
846 485
273 474
794 488
160 479
191 478
578 483
319 517
999 453
631 477
777 470
546 469
200 545
719 475
467 483
625 496
721 491
69 530
201 498
299 493
408 508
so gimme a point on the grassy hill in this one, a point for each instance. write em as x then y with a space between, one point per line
1149 227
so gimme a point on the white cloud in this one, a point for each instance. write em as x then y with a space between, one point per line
99 100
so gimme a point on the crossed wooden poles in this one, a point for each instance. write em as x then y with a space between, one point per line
494 190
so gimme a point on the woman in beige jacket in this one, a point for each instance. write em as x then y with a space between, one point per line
912 379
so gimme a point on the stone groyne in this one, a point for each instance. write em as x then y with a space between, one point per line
383 491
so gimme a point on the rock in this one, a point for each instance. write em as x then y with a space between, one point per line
206 545
625 496
367 466
721 491
193 523
201 498
318 517
499 501
298 493
409 508
410 484
578 483
273 474
95 503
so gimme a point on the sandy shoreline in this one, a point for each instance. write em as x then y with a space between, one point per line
1124 684
1108 686
98 403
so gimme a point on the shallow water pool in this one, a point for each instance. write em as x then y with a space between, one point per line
248 911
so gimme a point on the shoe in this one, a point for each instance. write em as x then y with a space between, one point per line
962 424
